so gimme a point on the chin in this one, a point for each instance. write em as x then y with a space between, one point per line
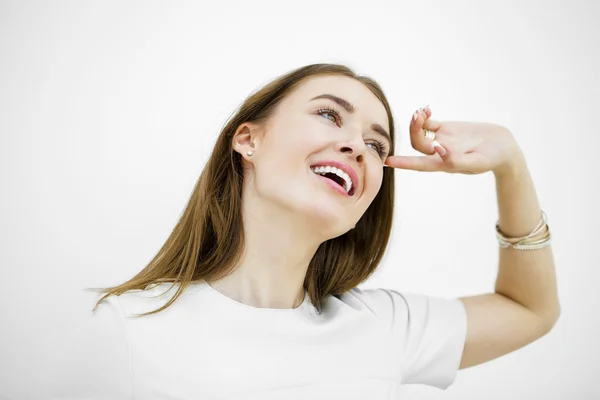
328 216
330 219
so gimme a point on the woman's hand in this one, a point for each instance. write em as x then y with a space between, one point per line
465 147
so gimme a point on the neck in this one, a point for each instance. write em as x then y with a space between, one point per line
279 245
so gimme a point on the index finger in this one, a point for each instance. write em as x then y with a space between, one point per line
416 163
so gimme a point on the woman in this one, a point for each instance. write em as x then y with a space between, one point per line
292 211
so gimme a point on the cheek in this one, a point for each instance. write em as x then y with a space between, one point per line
293 148
374 181
308 133
281 170
293 140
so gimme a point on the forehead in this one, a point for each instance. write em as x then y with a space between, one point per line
368 106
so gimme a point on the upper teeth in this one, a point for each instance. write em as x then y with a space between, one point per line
322 170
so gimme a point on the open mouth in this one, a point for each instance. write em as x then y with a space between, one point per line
336 180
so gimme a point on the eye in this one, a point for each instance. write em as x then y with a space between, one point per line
330 111
380 147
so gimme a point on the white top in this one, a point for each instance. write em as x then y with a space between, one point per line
208 346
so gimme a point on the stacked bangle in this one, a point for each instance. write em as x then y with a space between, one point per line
529 242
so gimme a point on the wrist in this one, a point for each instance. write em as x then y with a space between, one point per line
512 169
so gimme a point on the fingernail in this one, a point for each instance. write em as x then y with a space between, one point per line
423 108
442 150
415 116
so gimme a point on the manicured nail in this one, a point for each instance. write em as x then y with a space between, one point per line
415 116
423 108
441 150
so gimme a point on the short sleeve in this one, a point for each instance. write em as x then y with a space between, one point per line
431 332
95 361
435 330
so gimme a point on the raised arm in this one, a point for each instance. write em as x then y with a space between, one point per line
525 304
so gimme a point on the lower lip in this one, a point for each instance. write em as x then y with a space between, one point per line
332 184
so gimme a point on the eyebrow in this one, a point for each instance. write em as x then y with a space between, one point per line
350 109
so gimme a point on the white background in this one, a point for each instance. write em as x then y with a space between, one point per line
109 110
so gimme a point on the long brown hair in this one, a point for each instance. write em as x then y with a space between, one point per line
208 240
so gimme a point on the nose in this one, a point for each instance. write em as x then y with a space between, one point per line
354 147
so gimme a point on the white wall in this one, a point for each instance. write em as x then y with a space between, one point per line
109 110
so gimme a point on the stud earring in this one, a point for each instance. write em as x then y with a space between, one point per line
250 152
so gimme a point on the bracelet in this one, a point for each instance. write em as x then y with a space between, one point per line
542 242
530 241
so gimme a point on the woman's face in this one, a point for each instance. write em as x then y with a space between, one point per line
305 132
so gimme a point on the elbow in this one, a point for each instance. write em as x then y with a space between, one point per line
550 319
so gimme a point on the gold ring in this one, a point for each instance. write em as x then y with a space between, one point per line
430 135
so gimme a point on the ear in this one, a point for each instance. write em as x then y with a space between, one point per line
246 137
